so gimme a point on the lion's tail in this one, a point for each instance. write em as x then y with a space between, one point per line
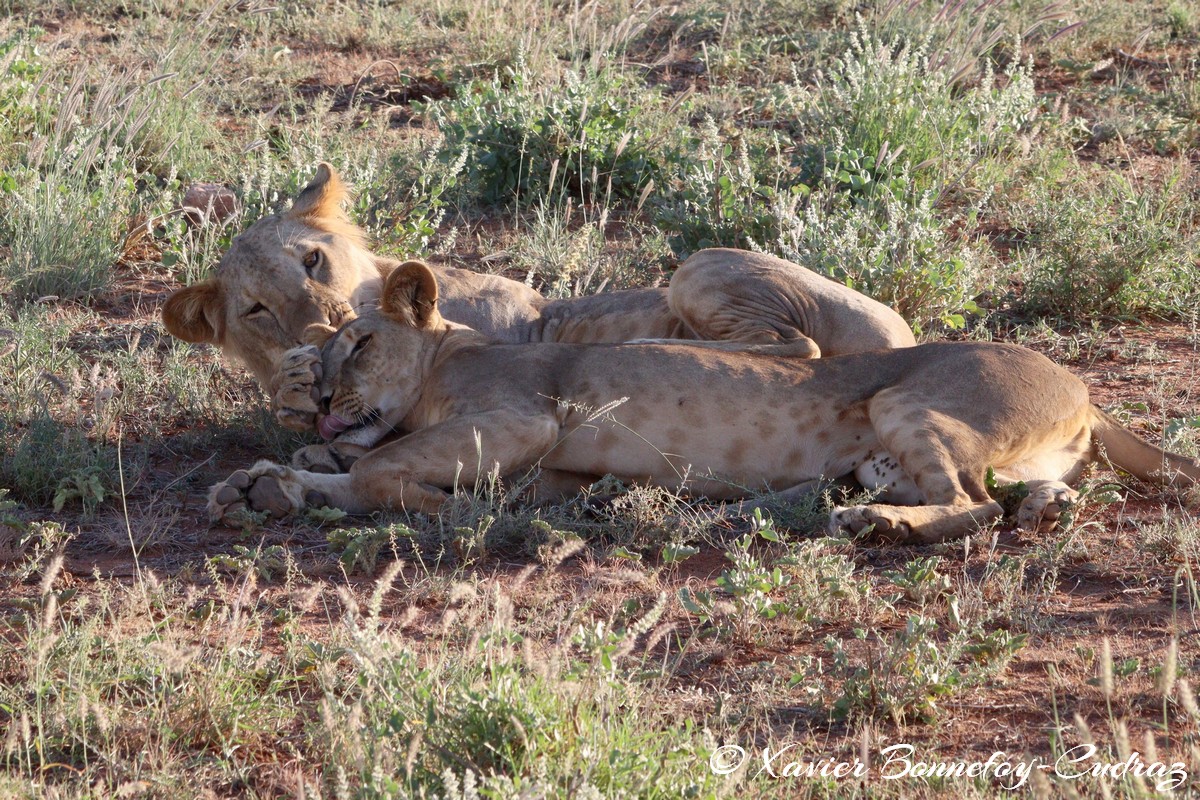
1124 450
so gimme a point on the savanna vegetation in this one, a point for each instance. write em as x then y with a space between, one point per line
1016 170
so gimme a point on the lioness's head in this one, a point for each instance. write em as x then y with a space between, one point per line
285 272
372 367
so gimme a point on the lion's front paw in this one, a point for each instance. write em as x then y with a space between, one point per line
1045 505
265 487
334 458
298 380
318 458
860 520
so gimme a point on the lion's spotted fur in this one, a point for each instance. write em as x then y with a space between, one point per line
708 420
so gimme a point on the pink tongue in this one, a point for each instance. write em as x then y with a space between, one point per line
330 426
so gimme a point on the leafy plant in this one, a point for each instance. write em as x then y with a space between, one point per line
47 461
85 485
265 562
721 194
919 581
359 549
754 587
523 138
895 250
1109 247
906 673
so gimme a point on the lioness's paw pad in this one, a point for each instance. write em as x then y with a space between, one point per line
298 378
859 520
1045 505
265 488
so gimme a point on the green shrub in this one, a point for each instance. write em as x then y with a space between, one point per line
721 192
523 139
68 196
46 461
20 66
896 251
1108 247
480 712
906 673
889 98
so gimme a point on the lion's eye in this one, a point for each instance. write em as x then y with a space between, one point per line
311 260
360 344
257 308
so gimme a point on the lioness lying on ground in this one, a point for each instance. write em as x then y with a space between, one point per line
920 424
310 265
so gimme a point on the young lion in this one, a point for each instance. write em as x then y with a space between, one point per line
706 420
310 265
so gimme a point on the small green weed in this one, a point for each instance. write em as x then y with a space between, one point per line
264 562
359 549
919 581
906 673
46 462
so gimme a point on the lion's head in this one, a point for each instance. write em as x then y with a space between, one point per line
306 266
372 366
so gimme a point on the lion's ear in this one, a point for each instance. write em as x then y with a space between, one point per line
195 313
317 334
410 295
322 198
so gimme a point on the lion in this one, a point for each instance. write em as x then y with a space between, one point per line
310 264
922 425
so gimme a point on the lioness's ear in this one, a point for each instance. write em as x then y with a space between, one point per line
317 334
194 313
322 198
410 295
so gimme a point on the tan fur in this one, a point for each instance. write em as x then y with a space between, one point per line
704 420
767 299
715 295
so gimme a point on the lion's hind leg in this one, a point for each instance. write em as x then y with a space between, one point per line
945 461
1046 464
721 295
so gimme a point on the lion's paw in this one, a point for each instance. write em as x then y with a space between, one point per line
298 378
1045 505
265 487
318 458
877 520
334 458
